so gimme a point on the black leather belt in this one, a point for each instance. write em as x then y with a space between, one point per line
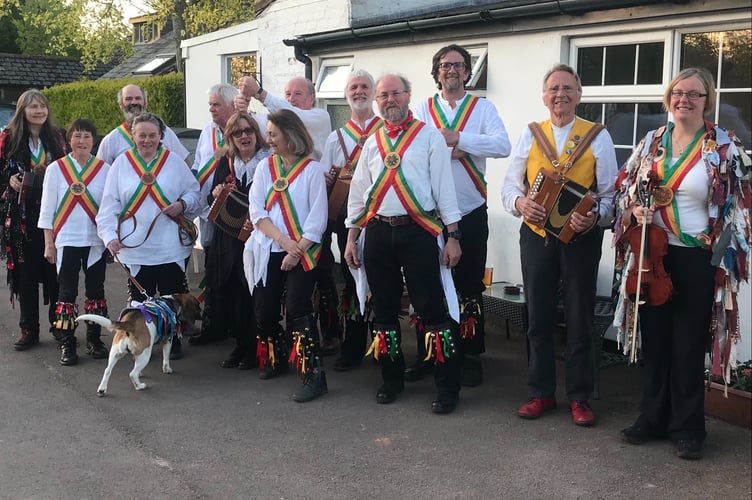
398 220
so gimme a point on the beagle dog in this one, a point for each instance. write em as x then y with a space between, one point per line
144 325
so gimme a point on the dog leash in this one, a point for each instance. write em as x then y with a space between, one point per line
131 277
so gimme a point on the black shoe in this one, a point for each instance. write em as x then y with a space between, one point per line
204 339
249 361
640 432
27 340
344 364
472 376
386 395
329 346
68 355
313 387
443 407
96 349
689 449
233 360
268 372
418 371
176 352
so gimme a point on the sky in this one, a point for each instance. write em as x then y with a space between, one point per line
132 8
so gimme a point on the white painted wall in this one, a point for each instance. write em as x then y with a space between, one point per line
519 59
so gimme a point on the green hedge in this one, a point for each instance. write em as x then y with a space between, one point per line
97 100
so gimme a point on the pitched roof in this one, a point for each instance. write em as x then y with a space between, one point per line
19 70
145 53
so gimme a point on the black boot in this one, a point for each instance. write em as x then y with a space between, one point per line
386 348
272 351
306 359
68 355
94 345
233 360
421 368
354 346
446 369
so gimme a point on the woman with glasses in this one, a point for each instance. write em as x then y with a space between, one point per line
686 179
232 305
289 210
28 144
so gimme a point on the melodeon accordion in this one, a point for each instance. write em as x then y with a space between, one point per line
229 213
340 191
560 198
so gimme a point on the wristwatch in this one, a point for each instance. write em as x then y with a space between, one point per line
457 235
257 95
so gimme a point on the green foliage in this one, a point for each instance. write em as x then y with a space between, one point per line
97 100
203 16
741 377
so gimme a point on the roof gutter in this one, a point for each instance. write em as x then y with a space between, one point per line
304 43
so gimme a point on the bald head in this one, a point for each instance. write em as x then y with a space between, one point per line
132 101
301 93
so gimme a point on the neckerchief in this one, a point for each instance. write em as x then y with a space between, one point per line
78 192
211 165
126 133
359 136
672 176
392 177
460 120
39 159
279 193
148 185
393 130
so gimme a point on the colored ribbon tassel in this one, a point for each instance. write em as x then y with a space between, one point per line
439 346
202 287
296 353
384 344
65 316
469 315
96 306
262 353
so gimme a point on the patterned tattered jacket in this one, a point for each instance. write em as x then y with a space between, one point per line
728 232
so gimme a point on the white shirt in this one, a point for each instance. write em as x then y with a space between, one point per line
78 230
332 152
316 121
114 144
205 152
308 193
606 168
484 136
163 245
691 202
427 169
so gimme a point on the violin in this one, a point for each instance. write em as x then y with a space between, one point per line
648 282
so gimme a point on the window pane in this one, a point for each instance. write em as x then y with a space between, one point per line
334 79
736 114
622 155
620 122
592 111
240 66
620 64
650 116
590 65
650 67
339 114
700 50
736 68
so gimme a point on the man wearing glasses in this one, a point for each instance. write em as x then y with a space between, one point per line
402 187
209 150
551 268
473 131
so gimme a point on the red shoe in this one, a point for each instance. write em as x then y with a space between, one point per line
535 407
582 414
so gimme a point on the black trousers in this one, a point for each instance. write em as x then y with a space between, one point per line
28 275
674 340
74 259
548 263
166 278
390 251
328 296
299 288
469 271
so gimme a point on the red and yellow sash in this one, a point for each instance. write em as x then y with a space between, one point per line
148 185
210 166
392 177
359 136
460 120
78 193
126 133
279 193
40 159
672 176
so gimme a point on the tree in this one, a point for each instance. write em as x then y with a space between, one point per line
92 30
197 17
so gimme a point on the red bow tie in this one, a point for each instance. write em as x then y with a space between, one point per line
393 130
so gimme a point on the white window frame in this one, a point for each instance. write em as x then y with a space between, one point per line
325 64
226 62
482 52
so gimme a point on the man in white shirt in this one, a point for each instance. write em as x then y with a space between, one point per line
402 186
342 149
209 150
132 100
473 131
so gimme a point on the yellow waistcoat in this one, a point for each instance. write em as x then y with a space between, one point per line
583 170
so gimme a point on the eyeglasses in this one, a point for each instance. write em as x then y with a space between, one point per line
692 95
385 95
565 89
240 133
446 66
